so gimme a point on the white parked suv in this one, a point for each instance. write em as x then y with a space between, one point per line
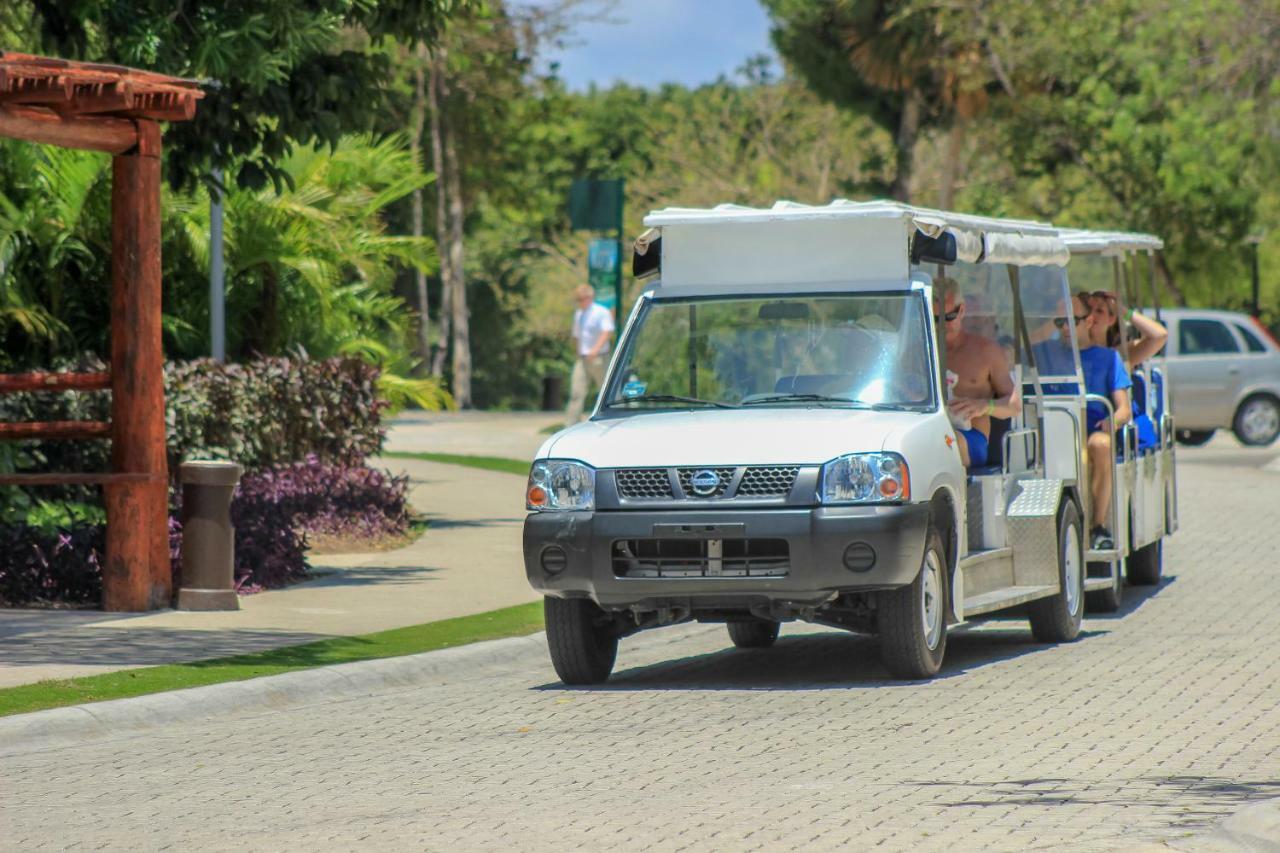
1224 373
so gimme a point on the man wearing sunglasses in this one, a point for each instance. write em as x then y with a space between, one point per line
983 385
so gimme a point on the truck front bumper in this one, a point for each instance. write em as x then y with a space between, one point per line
828 550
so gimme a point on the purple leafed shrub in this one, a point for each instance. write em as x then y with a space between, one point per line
39 565
335 500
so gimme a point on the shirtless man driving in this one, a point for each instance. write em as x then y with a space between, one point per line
984 387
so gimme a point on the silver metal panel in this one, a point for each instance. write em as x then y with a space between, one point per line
988 571
1035 498
973 514
1033 532
1007 597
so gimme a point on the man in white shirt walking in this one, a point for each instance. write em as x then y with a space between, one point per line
592 333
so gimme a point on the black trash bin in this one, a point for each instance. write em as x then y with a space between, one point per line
552 393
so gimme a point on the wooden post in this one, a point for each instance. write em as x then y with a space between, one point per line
136 575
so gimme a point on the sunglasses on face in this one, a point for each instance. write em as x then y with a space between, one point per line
1061 322
949 316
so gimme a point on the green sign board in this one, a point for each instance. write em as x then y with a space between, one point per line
595 205
603 269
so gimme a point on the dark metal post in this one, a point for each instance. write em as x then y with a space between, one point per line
208 537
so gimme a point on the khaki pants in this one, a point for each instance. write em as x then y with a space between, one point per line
586 372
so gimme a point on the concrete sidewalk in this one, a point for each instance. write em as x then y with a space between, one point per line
469 561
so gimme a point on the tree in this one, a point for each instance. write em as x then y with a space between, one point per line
278 80
1142 116
875 57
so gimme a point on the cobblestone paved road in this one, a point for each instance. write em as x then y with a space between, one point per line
1154 725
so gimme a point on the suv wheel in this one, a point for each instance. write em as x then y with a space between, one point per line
756 634
582 639
1257 421
913 618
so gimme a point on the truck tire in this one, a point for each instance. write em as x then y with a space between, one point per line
1193 437
913 619
1257 421
1146 564
581 638
1106 600
756 634
1057 619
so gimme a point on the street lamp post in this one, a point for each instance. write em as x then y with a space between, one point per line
1252 242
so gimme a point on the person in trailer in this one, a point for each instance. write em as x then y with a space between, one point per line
1146 338
979 382
1104 375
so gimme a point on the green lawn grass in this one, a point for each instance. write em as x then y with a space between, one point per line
489 463
515 621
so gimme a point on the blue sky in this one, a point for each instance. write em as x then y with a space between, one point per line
660 41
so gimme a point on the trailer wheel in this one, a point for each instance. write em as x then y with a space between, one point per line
1106 600
756 634
1146 564
913 618
1057 619
581 638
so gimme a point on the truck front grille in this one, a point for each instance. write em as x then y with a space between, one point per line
641 483
758 482
701 558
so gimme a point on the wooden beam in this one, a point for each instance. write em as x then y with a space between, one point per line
29 90
99 98
13 382
136 574
112 135
55 430
54 479
165 106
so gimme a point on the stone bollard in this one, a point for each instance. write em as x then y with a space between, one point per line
208 539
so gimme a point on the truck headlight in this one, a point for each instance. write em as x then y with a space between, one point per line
560 485
865 478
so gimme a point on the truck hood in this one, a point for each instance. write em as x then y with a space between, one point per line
779 436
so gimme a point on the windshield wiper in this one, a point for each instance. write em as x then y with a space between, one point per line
805 398
670 398
827 398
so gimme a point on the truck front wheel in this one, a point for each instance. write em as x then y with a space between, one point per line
582 639
913 618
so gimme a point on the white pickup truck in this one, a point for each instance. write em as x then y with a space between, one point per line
772 443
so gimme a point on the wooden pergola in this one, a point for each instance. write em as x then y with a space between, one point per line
118 111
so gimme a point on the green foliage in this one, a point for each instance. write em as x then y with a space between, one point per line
310 267
283 77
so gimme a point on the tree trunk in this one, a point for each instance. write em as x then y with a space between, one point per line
435 104
415 143
1170 285
951 163
908 130
459 312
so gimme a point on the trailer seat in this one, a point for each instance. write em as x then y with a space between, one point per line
1142 421
995 450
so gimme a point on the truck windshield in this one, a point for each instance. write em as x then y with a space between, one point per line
853 351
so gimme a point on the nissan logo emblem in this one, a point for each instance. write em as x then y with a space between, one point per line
704 482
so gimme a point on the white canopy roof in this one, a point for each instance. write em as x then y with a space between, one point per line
1081 241
841 241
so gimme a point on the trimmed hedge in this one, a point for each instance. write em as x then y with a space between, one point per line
272 411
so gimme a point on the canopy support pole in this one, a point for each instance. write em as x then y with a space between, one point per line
137 574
